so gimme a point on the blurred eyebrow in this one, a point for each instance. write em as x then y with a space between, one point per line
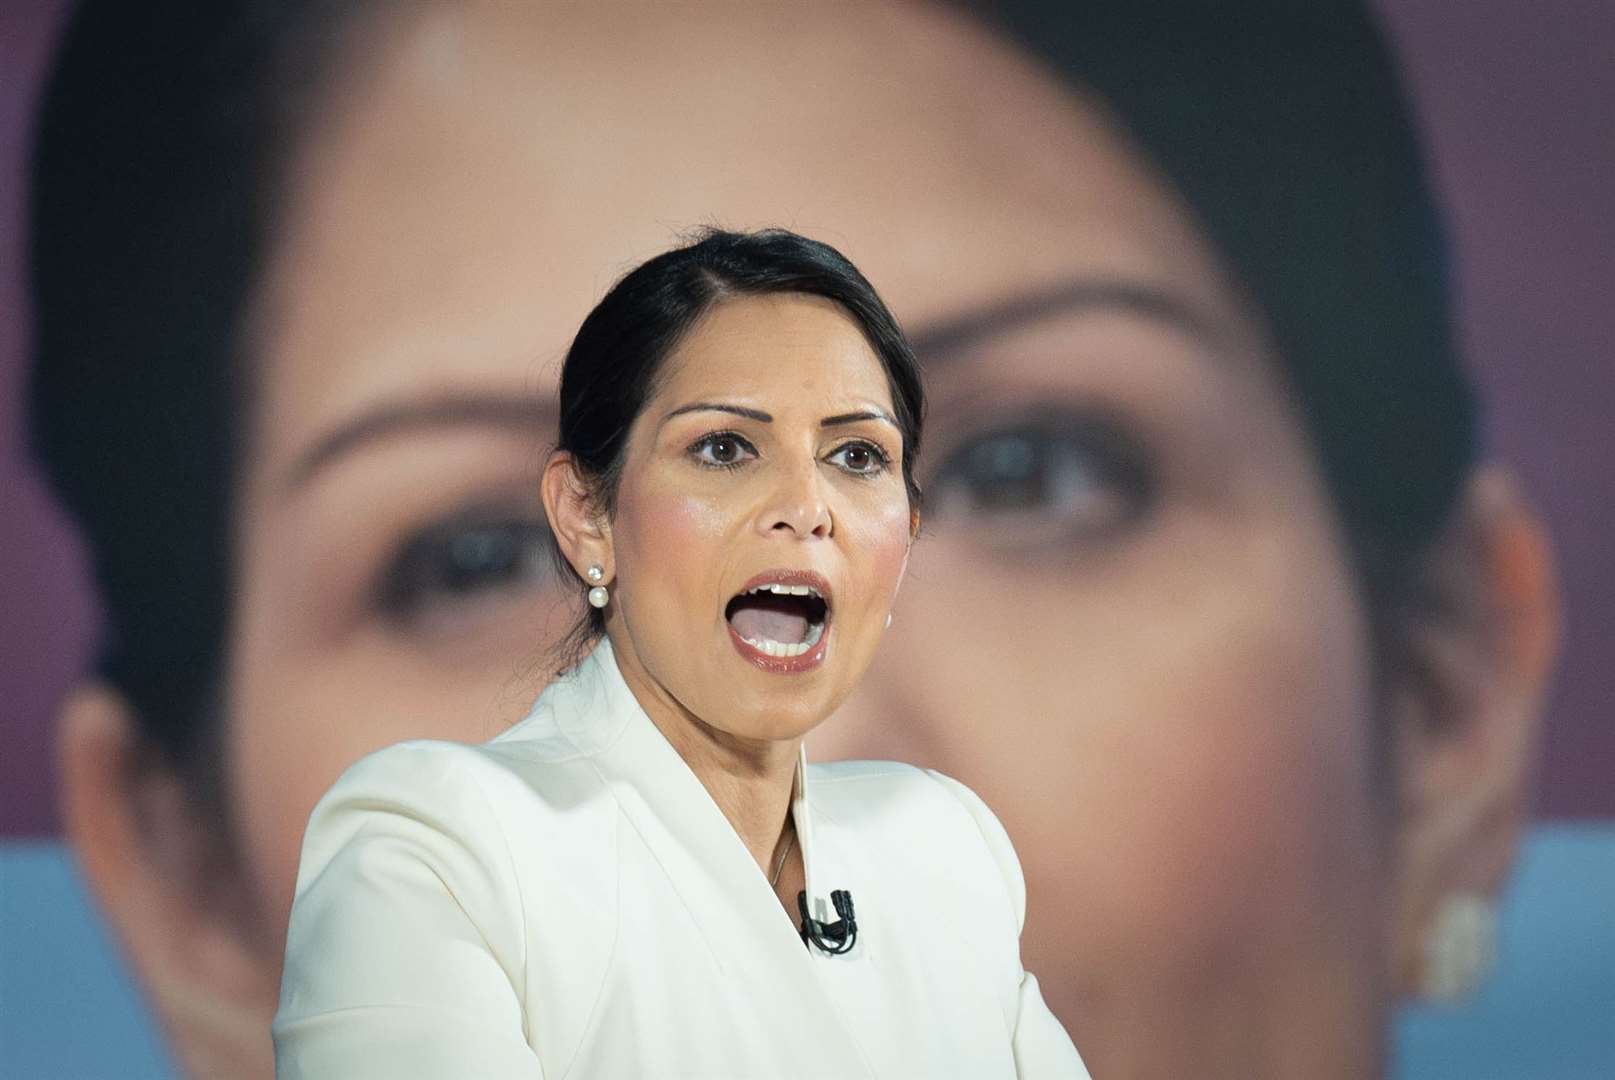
945 339
486 411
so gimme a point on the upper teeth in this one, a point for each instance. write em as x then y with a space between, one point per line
785 590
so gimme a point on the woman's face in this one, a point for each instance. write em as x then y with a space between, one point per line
767 464
1128 620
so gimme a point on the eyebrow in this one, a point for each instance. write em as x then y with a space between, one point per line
855 417
469 410
947 338
714 406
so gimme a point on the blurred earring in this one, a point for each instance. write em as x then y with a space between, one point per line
598 596
1459 947
888 620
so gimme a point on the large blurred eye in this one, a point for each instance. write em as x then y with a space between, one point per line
448 568
1065 477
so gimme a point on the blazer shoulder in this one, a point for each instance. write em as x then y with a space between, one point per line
501 768
525 844
908 808
994 837
850 790
474 795
427 772
438 872
871 794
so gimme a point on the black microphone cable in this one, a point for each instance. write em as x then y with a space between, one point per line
830 938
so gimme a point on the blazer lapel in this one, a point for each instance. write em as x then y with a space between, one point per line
727 898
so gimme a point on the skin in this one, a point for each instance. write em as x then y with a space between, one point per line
708 500
1155 666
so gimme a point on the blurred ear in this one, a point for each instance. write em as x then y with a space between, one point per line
1467 688
158 867
581 530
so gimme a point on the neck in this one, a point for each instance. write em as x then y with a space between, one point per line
751 780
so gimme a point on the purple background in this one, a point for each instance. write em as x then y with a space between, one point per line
1516 105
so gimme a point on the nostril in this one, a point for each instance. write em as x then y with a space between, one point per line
804 520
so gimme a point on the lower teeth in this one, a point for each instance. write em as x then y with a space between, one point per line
780 648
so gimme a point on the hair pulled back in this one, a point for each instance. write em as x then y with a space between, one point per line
162 143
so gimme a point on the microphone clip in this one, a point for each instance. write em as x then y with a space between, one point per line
832 938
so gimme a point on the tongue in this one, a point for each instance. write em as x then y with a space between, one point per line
770 620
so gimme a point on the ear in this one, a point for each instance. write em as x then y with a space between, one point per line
1466 691
581 529
913 535
157 866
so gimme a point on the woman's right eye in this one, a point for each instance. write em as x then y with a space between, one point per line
722 450
1058 478
452 567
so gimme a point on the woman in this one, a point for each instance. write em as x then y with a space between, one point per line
1254 648
734 487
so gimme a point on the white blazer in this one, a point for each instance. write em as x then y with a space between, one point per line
566 900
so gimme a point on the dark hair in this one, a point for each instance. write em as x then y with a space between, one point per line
156 167
155 174
1285 128
619 352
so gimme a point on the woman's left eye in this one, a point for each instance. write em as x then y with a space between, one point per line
860 458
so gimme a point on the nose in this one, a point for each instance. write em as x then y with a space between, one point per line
797 505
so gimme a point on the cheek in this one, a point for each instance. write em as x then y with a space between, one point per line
688 519
1220 755
669 540
1177 741
876 540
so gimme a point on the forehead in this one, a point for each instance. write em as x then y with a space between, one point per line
474 187
784 349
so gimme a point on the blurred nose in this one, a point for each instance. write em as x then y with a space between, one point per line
797 505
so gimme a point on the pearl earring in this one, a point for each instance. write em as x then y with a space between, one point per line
1459 947
598 596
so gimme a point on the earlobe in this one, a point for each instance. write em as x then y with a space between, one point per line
152 862
1465 698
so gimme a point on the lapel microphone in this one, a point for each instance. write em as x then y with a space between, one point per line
831 938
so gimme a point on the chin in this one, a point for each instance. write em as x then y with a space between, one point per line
778 716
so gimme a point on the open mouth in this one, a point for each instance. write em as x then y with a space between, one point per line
780 615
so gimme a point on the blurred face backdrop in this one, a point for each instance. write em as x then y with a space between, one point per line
1132 620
